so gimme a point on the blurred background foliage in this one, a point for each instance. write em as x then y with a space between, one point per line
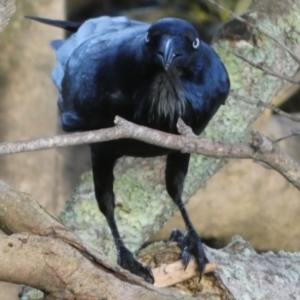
204 15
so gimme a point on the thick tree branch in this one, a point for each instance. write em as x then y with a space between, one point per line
52 258
66 273
49 248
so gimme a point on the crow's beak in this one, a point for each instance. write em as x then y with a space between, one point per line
165 53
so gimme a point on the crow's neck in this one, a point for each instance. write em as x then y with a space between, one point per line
166 100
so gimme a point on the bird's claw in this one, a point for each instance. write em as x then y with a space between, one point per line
186 257
127 261
190 244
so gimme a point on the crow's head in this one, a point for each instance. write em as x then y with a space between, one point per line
172 43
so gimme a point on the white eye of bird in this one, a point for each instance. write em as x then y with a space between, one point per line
147 38
196 43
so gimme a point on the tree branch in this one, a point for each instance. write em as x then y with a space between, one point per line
266 70
66 273
52 258
39 222
272 107
271 155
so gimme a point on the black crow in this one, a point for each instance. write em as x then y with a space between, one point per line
150 75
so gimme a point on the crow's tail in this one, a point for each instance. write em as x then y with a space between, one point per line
67 25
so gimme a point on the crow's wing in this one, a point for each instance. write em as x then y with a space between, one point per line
99 31
88 67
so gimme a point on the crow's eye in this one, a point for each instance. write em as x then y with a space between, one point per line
196 43
147 38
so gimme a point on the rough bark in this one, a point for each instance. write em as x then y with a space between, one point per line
43 253
69 267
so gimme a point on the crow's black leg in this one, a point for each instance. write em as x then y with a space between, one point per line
190 243
103 164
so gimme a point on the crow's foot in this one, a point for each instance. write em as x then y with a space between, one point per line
127 261
190 244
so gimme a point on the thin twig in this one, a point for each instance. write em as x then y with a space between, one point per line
266 70
257 27
61 141
269 106
285 137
